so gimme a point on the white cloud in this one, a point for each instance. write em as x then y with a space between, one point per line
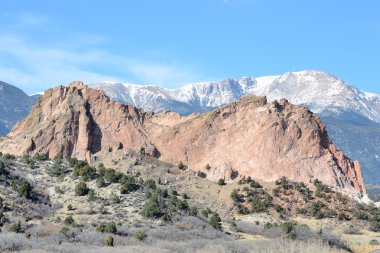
33 66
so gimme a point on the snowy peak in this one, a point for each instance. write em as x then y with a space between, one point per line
320 91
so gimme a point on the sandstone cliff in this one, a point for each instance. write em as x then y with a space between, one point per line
250 137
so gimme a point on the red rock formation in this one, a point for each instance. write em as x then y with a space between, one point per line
249 137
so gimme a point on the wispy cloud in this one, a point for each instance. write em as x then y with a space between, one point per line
34 67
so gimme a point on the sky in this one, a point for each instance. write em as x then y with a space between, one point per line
174 42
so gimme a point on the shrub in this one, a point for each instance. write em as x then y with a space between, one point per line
81 189
72 161
107 228
128 184
100 182
255 184
206 212
374 242
208 167
70 207
150 184
374 224
91 195
221 181
201 174
235 196
315 209
215 221
140 235
108 241
69 220
351 230
288 229
1 203
3 170
193 211
57 169
101 170
342 216
112 176
16 227
41 157
174 192
360 215
58 190
243 209
153 208
25 190
181 166
184 196
114 198
260 203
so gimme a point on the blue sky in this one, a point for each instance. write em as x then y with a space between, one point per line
174 42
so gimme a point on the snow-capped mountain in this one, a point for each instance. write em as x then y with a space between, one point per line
351 115
320 91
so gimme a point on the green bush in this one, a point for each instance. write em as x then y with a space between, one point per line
288 229
107 228
128 184
114 198
150 184
81 189
360 215
193 211
206 212
153 208
215 221
221 181
260 203
16 228
255 185
41 157
91 196
100 182
69 220
108 241
3 169
72 161
235 196
25 190
201 174
374 225
101 170
181 166
140 235
112 176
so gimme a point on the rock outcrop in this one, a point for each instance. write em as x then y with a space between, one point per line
250 137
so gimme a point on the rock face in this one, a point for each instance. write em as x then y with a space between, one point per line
250 137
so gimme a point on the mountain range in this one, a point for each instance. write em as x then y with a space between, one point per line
14 106
351 115
264 140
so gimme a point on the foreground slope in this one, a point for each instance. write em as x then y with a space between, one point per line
247 138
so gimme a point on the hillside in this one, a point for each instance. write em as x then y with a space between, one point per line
136 203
